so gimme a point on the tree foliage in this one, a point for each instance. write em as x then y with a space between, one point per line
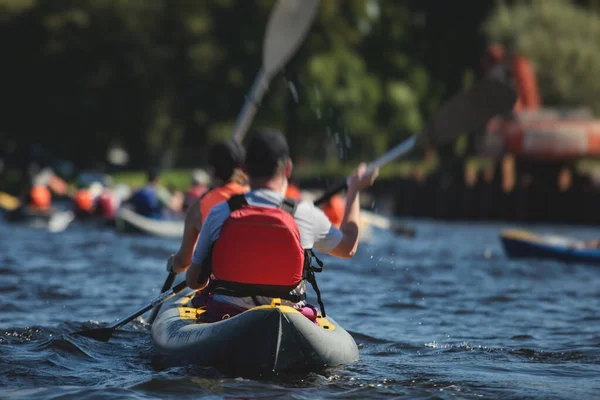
164 78
563 42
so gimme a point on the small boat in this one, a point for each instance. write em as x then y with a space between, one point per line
128 221
262 340
52 219
524 244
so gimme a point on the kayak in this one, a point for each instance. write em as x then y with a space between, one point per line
524 244
262 340
52 219
128 221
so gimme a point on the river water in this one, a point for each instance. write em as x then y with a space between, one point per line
445 315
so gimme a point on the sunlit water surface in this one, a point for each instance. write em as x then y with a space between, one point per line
445 315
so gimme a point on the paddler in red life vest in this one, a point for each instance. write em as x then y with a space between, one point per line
226 159
259 246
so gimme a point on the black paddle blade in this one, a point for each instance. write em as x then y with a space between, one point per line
100 334
469 111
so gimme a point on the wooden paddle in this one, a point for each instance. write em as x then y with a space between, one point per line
287 27
463 113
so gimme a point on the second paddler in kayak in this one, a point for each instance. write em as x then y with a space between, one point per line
258 246
226 159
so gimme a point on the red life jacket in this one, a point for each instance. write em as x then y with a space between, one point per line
259 253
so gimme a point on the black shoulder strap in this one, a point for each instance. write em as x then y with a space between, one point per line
309 275
206 193
289 205
236 202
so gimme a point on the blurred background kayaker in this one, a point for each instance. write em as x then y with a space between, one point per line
226 159
200 185
152 199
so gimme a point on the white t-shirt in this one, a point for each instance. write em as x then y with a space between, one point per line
315 228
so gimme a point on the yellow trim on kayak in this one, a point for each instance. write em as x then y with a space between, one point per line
187 313
518 234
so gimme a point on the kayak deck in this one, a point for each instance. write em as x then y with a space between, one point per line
263 339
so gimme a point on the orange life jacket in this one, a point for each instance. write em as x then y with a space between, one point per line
293 192
219 195
259 253
40 197
83 200
334 209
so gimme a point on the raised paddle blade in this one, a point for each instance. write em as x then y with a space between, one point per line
286 29
101 334
287 26
468 111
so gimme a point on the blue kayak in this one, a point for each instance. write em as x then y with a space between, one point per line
523 244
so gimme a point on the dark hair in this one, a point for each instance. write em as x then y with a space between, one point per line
266 153
225 156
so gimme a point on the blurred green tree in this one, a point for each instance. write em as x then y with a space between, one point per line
561 39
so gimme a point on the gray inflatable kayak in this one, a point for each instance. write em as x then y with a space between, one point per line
264 339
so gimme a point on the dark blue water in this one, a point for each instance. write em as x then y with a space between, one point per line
445 315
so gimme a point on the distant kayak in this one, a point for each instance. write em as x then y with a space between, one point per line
524 244
128 221
9 202
264 339
54 220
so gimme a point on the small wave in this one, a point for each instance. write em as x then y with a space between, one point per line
450 347
548 356
522 337
56 292
404 306
530 354
23 335
500 298
361 338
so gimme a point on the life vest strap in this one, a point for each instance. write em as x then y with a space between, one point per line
236 202
235 289
309 275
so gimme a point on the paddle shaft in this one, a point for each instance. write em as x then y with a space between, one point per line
157 301
388 157
253 99
166 286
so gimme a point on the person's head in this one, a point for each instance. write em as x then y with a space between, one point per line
268 161
153 176
200 177
227 159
